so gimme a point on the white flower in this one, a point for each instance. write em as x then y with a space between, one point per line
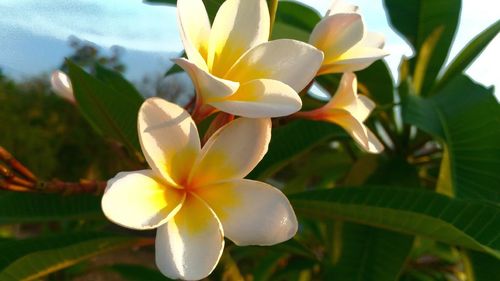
234 67
349 110
195 196
346 45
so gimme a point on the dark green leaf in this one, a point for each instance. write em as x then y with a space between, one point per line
37 264
376 81
32 207
110 104
468 54
292 140
471 224
483 267
417 20
465 116
15 249
369 254
294 20
132 272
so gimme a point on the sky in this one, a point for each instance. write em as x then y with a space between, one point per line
33 33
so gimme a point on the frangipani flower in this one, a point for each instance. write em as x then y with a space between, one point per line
234 67
61 85
342 37
195 196
349 110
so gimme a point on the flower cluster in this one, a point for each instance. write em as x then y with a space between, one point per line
196 195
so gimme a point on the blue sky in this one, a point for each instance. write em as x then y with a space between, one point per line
33 33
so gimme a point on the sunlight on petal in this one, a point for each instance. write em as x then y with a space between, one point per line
190 245
252 212
261 98
153 202
169 139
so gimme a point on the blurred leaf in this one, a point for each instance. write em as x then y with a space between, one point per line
231 270
14 249
118 83
37 264
465 116
267 266
423 60
34 207
468 54
370 254
483 267
376 81
132 272
110 104
294 20
471 224
416 20
291 140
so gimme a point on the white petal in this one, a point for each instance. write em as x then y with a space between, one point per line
261 98
195 30
138 200
374 145
357 58
336 34
207 85
61 85
363 109
238 26
169 139
373 40
353 127
232 152
341 7
292 62
190 245
251 212
347 98
346 95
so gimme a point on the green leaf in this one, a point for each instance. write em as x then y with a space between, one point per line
267 266
294 20
133 272
370 254
471 224
292 140
482 267
465 116
109 103
37 264
377 82
416 20
468 54
14 249
32 207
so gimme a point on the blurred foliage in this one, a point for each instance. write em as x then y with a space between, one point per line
427 209
48 135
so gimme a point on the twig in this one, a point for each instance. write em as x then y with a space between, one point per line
6 157
14 176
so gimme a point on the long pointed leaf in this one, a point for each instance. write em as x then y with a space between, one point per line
468 54
470 224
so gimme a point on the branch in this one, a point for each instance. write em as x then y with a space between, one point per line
14 176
